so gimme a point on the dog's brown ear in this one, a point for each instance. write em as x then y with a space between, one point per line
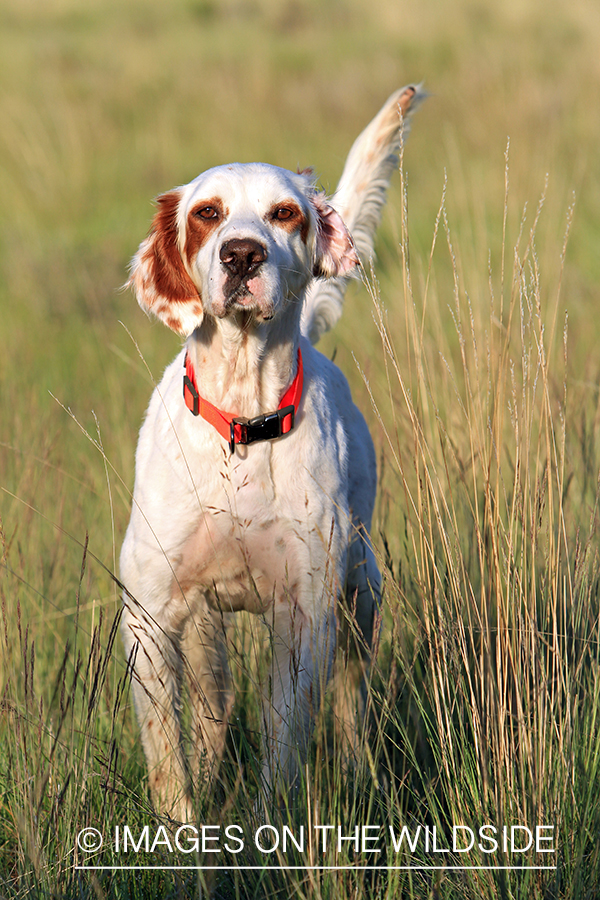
159 278
335 253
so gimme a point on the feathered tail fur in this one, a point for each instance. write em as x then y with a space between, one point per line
359 199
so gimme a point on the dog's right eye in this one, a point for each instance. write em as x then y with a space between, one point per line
206 212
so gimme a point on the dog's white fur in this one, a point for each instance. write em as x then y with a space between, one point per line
279 528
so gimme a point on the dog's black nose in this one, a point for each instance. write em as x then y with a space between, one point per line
242 257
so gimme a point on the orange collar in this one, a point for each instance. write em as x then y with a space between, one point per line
239 429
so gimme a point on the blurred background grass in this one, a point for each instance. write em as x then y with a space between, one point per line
104 105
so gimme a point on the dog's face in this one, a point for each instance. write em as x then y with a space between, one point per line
238 238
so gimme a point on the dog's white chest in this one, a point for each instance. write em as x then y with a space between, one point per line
247 544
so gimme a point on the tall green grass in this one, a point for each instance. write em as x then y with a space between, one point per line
476 366
499 597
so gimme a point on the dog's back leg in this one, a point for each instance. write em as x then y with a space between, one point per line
359 619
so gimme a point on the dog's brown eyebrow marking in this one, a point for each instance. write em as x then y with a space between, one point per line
200 226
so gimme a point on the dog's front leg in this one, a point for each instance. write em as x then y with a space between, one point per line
209 682
302 656
156 661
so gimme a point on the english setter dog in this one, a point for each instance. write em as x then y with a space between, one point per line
255 473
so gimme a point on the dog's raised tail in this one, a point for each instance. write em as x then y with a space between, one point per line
359 198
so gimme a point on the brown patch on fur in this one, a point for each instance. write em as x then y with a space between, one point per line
162 255
172 322
304 230
200 228
406 98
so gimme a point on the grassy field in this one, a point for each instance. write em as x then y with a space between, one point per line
472 349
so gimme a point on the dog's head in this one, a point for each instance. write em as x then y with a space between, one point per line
238 238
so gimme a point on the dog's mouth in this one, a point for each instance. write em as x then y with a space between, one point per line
241 298
240 295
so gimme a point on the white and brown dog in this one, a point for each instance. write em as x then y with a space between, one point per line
255 472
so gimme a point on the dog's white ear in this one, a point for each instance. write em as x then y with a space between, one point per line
159 278
335 253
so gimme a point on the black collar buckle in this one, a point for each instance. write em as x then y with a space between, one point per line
267 427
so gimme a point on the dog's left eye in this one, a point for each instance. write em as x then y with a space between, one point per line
282 213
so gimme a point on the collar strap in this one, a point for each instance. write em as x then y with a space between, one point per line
239 429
